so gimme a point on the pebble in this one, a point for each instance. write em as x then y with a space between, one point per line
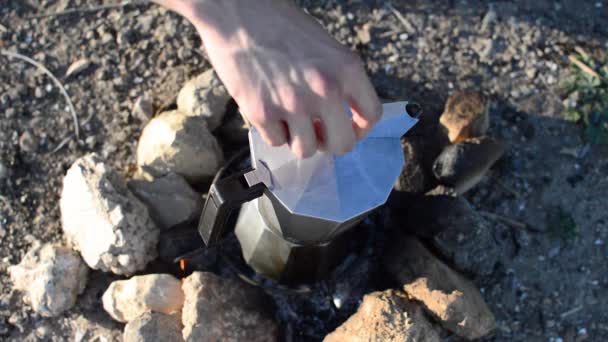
3 171
27 142
77 67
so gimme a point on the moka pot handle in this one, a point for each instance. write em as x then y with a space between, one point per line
224 196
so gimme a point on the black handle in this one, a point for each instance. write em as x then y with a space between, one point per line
224 196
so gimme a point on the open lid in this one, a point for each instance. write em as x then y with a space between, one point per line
335 187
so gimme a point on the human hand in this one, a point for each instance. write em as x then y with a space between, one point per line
287 75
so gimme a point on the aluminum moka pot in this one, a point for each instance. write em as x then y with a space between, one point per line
293 213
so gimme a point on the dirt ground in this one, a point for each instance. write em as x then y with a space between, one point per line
551 285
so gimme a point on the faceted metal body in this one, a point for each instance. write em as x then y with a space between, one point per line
268 252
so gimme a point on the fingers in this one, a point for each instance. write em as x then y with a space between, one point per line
363 100
302 135
274 133
339 135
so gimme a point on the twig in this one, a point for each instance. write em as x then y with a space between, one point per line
57 83
571 311
581 52
584 67
508 189
509 221
406 24
82 10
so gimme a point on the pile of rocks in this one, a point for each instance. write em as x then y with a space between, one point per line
112 224
447 159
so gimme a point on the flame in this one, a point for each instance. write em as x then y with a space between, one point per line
182 264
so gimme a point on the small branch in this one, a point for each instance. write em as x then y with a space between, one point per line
406 24
571 312
584 67
582 52
57 83
82 10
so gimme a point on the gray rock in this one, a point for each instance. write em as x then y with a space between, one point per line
386 316
463 165
176 142
152 327
125 300
414 178
451 299
51 277
104 221
3 171
170 199
204 96
466 238
28 142
218 309
142 109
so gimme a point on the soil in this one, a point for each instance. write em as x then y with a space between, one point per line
552 282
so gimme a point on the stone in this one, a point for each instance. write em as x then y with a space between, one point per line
218 309
386 316
152 327
452 300
142 109
465 116
414 177
363 34
170 199
176 142
125 300
103 220
3 171
464 237
204 96
51 278
77 67
458 232
463 165
28 142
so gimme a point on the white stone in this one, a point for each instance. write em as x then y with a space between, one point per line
204 96
152 327
125 300
51 278
176 142
104 221
77 67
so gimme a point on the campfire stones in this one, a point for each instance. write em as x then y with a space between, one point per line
176 142
222 309
464 237
449 297
463 165
51 277
153 326
204 96
465 116
170 200
386 316
414 178
125 300
103 220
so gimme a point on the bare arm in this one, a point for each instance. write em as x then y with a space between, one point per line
288 76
